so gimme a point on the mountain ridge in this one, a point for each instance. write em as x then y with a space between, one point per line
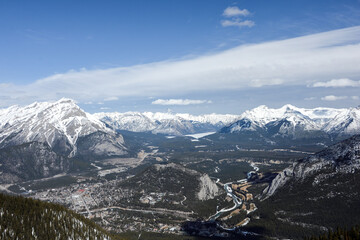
165 123
343 157
293 122
288 119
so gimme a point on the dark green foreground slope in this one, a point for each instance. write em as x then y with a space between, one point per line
26 218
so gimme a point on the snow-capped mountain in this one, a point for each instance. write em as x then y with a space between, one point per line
345 123
291 121
165 123
287 121
59 124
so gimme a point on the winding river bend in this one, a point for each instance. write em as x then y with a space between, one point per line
236 200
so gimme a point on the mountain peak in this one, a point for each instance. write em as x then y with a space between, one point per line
55 123
288 107
261 107
66 100
332 121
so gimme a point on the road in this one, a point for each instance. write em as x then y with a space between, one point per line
182 214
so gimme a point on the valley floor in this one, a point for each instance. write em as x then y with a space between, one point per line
100 195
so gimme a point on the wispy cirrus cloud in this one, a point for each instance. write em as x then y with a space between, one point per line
310 98
342 82
300 61
237 23
235 12
179 102
333 98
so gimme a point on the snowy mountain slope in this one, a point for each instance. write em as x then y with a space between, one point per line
291 121
59 124
165 123
129 121
265 115
287 121
244 124
345 123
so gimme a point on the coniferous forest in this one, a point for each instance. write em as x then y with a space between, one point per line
26 218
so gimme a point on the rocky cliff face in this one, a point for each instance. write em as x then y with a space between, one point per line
208 188
30 161
343 157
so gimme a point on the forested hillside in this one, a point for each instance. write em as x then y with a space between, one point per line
26 218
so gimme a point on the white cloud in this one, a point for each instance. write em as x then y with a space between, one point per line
5 85
111 99
179 102
310 98
333 98
235 11
237 23
105 108
342 82
287 62
355 97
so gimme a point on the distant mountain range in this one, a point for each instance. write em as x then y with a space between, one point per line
287 121
70 131
166 123
294 122
49 134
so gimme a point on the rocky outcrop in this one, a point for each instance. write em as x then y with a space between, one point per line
174 180
343 157
208 188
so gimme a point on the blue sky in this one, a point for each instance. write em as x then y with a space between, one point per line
189 56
